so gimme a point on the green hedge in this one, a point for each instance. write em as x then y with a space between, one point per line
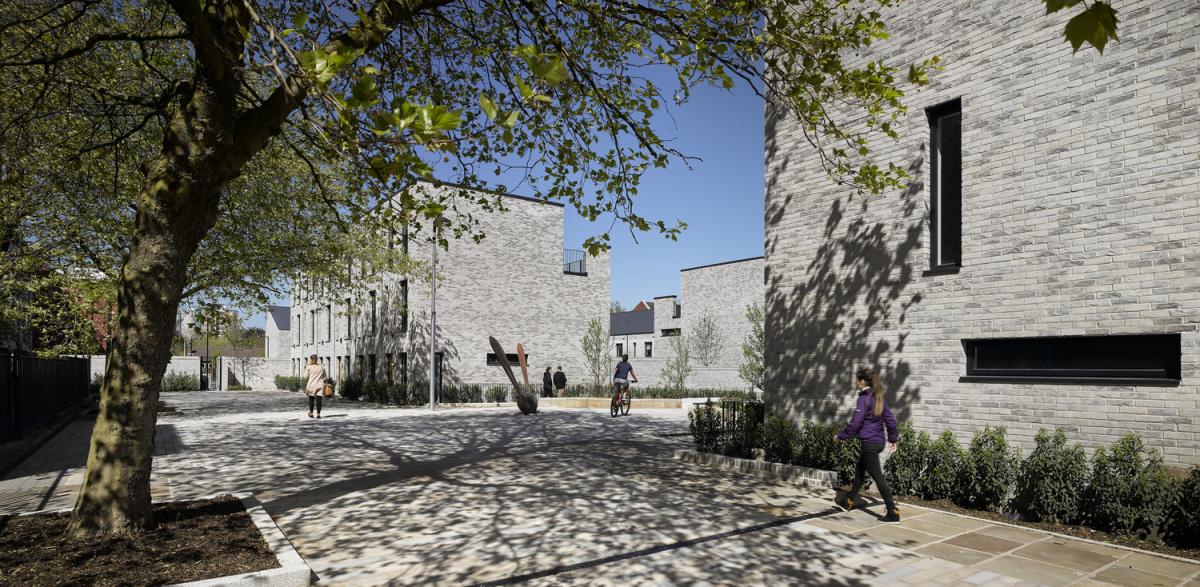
1049 487
1131 493
1128 491
987 474
176 381
290 383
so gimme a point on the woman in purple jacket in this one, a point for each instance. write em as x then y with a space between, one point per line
871 417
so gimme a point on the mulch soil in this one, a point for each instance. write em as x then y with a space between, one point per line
193 541
1070 530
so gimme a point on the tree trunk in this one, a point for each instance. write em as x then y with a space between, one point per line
176 208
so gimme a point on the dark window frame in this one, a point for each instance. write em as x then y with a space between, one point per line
942 259
492 361
649 349
1089 359
620 349
666 332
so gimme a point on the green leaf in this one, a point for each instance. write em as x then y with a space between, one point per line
299 20
488 106
556 72
1053 6
1094 26
511 119
526 91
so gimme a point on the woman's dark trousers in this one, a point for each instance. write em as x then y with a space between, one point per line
314 399
868 461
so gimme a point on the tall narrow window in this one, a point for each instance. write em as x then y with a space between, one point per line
349 310
649 349
372 312
945 185
328 322
403 307
620 349
391 367
371 367
312 328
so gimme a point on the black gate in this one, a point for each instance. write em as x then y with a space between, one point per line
205 370
33 391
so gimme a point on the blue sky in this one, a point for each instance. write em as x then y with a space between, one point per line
720 198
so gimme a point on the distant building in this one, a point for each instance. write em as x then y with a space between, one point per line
721 292
518 284
277 344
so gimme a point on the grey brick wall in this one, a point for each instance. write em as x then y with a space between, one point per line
1081 206
722 291
511 285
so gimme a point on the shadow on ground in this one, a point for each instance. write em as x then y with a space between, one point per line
467 496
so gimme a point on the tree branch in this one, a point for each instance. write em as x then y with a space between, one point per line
91 43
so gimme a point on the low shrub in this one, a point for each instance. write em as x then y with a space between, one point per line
177 381
1131 493
352 389
940 473
988 472
780 440
904 467
237 388
290 383
96 384
1185 517
704 422
1052 479
497 393
644 392
820 451
376 392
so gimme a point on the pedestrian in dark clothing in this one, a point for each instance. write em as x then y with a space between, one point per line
871 424
547 384
560 382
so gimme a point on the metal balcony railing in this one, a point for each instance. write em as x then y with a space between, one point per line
574 262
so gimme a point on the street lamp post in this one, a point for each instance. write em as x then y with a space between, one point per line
433 315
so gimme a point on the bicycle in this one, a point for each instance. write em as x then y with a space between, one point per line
620 400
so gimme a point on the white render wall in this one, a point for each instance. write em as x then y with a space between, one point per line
278 340
1081 206
511 286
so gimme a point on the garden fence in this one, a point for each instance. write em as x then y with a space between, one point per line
34 391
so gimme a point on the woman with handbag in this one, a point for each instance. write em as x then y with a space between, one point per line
316 385
872 424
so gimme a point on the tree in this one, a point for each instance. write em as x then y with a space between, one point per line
615 307
707 340
148 137
595 350
246 367
679 367
1094 26
751 371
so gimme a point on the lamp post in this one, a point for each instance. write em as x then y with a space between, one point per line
433 315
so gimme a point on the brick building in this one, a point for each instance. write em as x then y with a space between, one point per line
721 291
1042 269
518 284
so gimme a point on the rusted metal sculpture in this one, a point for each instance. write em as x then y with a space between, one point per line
526 402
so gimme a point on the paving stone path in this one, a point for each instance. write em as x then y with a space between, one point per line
379 496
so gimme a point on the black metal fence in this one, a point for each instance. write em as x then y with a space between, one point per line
741 417
574 262
33 391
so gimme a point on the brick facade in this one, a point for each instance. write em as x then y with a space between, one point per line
1081 210
511 285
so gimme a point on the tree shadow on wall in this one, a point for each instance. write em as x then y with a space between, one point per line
849 307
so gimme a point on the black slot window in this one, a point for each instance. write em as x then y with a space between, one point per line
649 349
492 361
620 349
1142 358
945 186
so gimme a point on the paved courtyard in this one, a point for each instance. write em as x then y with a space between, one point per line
375 496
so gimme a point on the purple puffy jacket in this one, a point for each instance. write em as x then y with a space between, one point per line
868 427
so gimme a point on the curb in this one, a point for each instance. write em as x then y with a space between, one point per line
805 476
292 571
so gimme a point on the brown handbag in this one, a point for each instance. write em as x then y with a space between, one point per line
328 391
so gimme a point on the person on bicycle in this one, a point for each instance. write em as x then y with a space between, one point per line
622 375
